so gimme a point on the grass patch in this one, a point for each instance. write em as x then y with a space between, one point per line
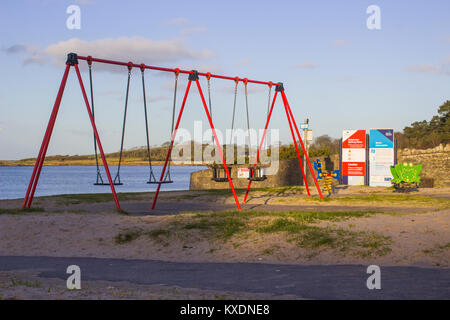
268 251
282 225
25 283
410 200
438 249
297 226
303 216
20 211
157 233
365 244
127 236
289 190
133 234
68 199
223 228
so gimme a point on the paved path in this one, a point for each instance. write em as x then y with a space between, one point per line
311 282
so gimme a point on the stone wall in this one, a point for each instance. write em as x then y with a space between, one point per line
328 163
288 174
435 163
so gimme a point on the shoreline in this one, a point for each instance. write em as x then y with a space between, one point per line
14 163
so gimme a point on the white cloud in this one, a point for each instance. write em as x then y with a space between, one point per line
32 53
307 65
424 68
442 68
193 30
340 43
138 49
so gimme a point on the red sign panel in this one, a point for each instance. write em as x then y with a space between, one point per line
356 139
354 168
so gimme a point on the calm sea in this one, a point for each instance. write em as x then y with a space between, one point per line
80 179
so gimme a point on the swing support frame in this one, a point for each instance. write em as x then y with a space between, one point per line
72 62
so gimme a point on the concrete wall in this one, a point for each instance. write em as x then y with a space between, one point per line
288 174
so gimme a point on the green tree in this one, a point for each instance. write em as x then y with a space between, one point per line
424 134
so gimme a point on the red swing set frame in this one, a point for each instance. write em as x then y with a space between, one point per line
72 61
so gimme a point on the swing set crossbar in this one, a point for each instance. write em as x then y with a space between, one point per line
135 65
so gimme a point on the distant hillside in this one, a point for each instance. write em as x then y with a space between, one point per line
135 156
323 146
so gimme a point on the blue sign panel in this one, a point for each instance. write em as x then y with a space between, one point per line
381 156
381 138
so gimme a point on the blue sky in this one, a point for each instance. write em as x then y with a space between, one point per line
336 72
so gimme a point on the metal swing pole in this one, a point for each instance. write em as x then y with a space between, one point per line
262 142
217 141
289 111
45 141
280 88
169 152
97 137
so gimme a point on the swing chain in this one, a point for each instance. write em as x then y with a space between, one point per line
146 123
167 177
248 118
117 177
99 178
236 80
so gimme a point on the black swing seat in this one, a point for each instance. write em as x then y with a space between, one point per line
106 184
153 180
255 174
100 182
219 174
159 182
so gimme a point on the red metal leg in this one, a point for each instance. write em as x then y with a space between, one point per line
296 146
97 137
288 109
218 145
262 142
169 152
43 150
44 140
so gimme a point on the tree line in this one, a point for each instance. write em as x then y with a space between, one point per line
427 134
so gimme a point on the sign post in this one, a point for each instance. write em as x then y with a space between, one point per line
307 138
